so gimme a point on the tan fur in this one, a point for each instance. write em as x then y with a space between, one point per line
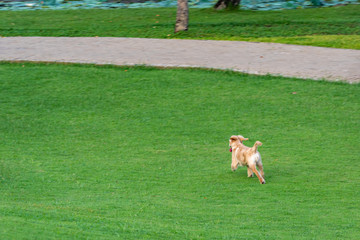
246 156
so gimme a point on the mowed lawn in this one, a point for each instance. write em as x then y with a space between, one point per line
102 152
337 27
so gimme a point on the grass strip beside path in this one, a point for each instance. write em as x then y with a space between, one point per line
327 27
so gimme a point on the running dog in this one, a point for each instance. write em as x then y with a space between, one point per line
245 156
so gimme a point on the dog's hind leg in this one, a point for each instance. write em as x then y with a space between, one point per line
249 172
253 168
261 168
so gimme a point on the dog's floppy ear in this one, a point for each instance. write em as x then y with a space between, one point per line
234 138
241 138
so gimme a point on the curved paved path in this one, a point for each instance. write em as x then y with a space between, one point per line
257 58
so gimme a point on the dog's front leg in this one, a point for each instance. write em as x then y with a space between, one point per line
249 172
234 162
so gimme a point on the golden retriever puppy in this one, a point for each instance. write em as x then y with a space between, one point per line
245 156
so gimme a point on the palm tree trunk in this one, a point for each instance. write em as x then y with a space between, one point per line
182 16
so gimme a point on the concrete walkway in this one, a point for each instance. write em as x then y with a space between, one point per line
256 58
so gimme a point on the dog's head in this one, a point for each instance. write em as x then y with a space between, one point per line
234 139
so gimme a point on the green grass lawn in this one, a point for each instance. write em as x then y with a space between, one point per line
90 152
327 27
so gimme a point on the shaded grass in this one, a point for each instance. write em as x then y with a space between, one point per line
142 153
288 26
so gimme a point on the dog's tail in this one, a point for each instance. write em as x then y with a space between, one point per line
256 144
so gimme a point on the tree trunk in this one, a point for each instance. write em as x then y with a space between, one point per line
222 4
182 16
